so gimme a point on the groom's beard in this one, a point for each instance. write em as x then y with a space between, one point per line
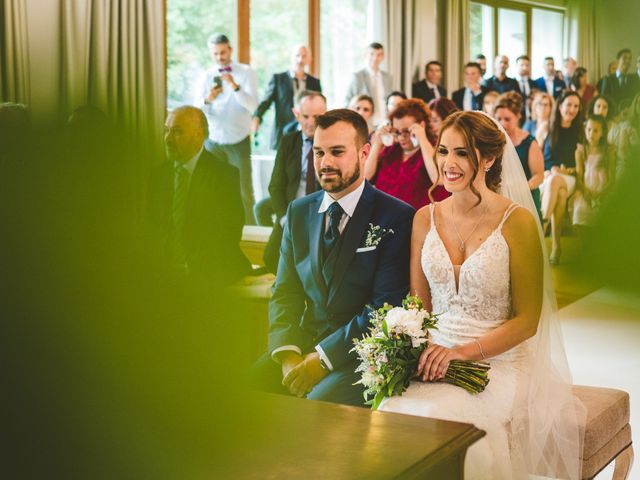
339 182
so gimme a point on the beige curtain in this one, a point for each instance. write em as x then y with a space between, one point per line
411 36
581 36
113 57
14 52
456 42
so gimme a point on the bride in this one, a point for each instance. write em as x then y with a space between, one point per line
477 259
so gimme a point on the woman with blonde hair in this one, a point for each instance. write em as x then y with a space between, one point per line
542 106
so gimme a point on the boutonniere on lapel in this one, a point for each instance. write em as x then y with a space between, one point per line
375 234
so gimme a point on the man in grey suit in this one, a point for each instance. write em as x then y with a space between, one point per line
373 82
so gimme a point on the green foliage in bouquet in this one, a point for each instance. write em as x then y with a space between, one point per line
389 353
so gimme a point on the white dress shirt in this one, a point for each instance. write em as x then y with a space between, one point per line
523 82
348 203
229 115
434 88
548 81
299 85
307 145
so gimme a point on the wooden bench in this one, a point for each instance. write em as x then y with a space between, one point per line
607 436
253 242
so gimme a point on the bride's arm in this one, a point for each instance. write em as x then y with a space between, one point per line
419 285
526 270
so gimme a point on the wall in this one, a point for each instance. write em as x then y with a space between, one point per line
617 23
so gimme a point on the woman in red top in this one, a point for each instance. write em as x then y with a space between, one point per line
401 159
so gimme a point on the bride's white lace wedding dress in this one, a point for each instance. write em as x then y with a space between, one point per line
478 302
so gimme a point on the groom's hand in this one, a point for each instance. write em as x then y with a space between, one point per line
301 379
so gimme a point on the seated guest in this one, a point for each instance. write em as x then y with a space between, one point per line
293 175
507 111
482 61
429 88
527 85
489 102
560 160
194 208
625 134
471 96
440 109
569 66
373 81
363 104
541 108
393 98
595 171
580 83
603 106
550 83
500 82
623 84
282 90
405 169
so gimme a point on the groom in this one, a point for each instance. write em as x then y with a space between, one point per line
344 248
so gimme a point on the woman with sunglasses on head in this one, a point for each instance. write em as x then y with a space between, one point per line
401 159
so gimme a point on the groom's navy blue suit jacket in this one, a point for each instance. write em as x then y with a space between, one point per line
303 310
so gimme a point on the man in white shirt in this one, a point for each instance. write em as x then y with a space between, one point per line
372 81
227 94
429 88
471 96
329 277
550 83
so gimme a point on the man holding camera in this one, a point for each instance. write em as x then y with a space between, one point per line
228 96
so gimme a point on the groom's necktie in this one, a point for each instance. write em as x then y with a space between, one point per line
332 232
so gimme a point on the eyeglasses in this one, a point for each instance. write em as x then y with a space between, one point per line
405 132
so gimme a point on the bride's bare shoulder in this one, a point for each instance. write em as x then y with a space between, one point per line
521 226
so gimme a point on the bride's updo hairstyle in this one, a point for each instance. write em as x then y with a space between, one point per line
481 133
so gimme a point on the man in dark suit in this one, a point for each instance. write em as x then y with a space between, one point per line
550 82
471 96
430 88
527 86
194 208
282 90
500 82
622 84
293 175
333 269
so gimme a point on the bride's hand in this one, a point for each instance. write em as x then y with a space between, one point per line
434 361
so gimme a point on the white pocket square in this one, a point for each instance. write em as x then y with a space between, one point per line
365 249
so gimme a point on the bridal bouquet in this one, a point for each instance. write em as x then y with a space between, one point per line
389 353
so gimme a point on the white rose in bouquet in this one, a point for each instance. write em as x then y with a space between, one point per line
409 321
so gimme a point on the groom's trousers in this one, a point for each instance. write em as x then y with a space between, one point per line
337 387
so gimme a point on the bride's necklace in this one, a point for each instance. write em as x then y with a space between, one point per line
463 242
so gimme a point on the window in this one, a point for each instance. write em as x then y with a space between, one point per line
343 42
513 29
512 40
547 32
481 33
189 25
276 27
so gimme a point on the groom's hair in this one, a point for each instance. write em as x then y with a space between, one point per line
354 119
